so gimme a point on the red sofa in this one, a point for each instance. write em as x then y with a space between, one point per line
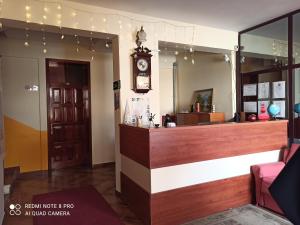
265 174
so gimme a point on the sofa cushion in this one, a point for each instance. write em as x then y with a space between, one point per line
266 183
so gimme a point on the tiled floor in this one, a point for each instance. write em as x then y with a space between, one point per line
103 179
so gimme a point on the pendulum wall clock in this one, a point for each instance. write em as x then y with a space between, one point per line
141 65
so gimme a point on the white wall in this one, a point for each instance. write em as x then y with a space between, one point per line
101 87
209 71
156 28
166 83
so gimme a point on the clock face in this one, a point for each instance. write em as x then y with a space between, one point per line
142 65
142 82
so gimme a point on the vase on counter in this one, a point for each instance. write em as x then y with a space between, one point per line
197 107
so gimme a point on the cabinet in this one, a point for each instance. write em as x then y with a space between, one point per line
202 117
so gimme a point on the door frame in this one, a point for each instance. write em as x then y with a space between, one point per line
88 64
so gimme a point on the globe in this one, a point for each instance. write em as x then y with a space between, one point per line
297 109
273 110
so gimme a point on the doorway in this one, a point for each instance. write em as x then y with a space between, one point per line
68 113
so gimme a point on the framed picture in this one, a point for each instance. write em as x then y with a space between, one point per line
205 98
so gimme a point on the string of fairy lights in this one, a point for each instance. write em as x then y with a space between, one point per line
187 51
60 10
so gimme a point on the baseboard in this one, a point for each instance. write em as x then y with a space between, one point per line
34 173
102 165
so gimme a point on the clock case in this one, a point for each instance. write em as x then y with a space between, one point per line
141 53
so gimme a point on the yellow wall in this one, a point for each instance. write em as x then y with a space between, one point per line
24 146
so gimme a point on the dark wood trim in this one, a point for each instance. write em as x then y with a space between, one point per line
104 165
290 82
137 198
47 60
275 69
238 77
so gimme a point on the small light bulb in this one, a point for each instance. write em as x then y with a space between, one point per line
193 61
44 17
106 45
74 14
191 49
59 7
44 50
185 57
27 7
92 58
176 52
104 20
26 44
62 37
121 26
46 9
28 15
44 43
58 16
77 49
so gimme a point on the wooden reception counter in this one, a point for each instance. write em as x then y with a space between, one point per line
173 175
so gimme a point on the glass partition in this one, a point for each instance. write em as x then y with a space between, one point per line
296 74
265 47
296 38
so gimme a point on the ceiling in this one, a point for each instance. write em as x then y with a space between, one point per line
235 15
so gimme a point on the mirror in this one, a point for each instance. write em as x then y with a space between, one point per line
188 73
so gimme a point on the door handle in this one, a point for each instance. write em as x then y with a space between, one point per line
51 130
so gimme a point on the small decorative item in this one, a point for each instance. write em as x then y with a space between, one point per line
197 107
141 65
192 108
139 121
236 117
274 110
252 117
171 124
263 116
205 98
156 125
151 120
297 109
213 108
167 120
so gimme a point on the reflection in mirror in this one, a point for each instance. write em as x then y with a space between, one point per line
296 73
296 39
190 75
265 47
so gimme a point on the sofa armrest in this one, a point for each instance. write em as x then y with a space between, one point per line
268 169
264 170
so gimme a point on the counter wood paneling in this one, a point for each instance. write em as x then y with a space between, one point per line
155 148
170 176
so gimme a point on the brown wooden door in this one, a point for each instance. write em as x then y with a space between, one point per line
68 119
